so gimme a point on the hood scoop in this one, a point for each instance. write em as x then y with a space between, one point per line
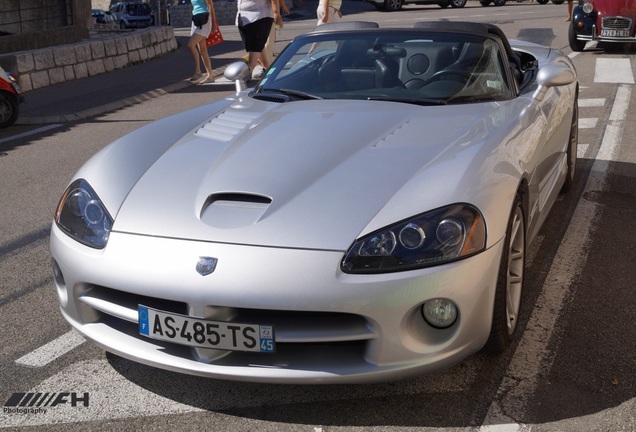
233 210
227 125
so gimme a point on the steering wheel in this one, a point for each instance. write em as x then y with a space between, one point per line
458 75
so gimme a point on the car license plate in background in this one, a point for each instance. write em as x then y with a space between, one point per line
615 33
196 332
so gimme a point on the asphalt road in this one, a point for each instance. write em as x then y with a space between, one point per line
572 370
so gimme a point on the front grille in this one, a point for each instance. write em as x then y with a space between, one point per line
331 337
616 23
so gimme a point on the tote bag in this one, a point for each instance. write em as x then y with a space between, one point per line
215 37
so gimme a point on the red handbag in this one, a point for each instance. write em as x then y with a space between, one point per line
215 37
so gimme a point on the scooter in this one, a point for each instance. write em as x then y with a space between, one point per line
10 99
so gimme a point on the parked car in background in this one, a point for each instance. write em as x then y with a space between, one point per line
10 99
612 21
98 15
393 5
130 15
384 237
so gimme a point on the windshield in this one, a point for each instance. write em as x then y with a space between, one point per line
403 66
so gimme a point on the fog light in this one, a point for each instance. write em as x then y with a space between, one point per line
440 313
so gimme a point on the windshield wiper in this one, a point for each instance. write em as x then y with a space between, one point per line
423 102
294 93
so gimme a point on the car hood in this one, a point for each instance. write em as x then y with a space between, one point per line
304 174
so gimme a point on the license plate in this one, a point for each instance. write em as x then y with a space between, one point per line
615 33
197 332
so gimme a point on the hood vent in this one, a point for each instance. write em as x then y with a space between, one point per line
234 210
271 97
227 125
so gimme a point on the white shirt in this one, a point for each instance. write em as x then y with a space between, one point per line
253 10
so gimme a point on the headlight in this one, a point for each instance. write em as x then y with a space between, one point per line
436 237
81 215
588 7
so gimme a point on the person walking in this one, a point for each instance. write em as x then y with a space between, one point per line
203 22
268 51
570 7
255 19
329 11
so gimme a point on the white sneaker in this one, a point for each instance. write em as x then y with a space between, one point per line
258 72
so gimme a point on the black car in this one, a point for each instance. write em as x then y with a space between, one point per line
98 15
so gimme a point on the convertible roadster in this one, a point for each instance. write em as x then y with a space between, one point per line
361 214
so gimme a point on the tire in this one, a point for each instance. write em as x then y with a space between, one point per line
572 149
458 3
575 44
499 2
507 304
543 1
122 25
9 109
484 2
392 5
558 2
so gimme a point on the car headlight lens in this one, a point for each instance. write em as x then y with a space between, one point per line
588 7
81 215
436 237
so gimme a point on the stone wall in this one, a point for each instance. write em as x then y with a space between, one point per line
24 24
47 66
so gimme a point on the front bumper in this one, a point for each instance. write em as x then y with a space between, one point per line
330 327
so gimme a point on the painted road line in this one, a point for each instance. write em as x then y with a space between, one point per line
532 355
52 350
29 133
588 123
591 102
581 149
614 71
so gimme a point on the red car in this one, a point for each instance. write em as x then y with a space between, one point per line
602 21
10 99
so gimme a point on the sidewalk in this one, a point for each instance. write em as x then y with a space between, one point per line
88 97
92 96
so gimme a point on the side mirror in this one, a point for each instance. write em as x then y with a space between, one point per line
552 76
238 72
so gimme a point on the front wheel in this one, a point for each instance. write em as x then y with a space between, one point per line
484 2
9 108
558 2
458 3
543 1
507 303
499 2
392 5
575 44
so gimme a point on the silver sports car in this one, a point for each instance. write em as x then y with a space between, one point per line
362 214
